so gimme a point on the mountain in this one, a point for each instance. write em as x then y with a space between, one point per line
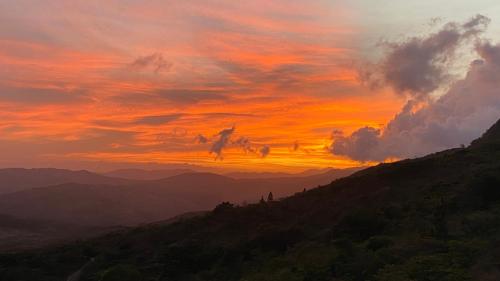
16 179
425 219
146 201
140 174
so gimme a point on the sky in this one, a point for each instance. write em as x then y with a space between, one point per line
261 85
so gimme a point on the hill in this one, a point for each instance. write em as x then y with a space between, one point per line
17 179
425 219
146 201
140 174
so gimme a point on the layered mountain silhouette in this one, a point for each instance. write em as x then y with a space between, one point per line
16 179
430 218
140 174
144 201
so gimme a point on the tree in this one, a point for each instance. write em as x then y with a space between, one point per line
224 206
270 197
262 200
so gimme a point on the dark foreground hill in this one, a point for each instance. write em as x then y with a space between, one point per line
432 218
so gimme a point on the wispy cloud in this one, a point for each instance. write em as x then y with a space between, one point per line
154 62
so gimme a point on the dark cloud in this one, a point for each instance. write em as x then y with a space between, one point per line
155 62
357 145
264 151
34 96
201 139
226 114
190 96
223 140
173 96
419 65
467 109
296 146
245 144
157 120
287 75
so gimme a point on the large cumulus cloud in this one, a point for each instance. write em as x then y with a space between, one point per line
420 65
467 109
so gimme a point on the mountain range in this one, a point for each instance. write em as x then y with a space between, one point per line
79 204
17 179
430 218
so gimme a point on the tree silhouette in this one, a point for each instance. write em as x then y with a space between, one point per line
270 197
262 200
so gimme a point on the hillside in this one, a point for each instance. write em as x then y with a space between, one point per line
431 218
22 234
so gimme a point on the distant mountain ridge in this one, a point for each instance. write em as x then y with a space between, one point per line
140 174
135 202
16 179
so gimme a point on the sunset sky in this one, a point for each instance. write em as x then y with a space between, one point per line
254 85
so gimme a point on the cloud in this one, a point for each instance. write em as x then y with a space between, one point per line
173 96
264 151
245 144
157 120
418 66
201 139
42 96
221 142
357 145
282 75
467 109
190 95
225 115
155 62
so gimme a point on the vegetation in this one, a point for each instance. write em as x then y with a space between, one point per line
432 218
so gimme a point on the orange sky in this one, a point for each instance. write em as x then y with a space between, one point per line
135 82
